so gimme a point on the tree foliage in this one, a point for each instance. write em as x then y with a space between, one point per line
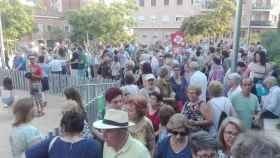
271 40
107 23
214 23
16 21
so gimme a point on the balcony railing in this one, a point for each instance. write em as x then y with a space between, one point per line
205 4
262 6
260 23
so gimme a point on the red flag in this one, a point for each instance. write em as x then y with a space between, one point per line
177 39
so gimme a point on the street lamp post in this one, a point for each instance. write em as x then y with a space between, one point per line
236 34
2 43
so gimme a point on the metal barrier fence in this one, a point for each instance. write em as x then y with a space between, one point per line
89 89
90 94
57 82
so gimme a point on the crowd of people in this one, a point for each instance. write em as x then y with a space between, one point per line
188 105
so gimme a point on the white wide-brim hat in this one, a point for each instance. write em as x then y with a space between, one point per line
113 119
149 77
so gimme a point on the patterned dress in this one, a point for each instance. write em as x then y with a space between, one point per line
192 111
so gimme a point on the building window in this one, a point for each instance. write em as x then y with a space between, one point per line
165 19
144 36
142 3
141 18
153 3
179 2
179 19
49 28
40 28
153 18
166 2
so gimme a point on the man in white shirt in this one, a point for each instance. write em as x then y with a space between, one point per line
56 65
198 78
271 108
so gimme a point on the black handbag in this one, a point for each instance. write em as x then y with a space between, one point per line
223 116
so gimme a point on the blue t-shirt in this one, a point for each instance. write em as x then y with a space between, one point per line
20 62
86 148
165 150
46 69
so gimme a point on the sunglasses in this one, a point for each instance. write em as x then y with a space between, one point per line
180 133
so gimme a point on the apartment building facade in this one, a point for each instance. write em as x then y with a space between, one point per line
259 16
50 21
157 19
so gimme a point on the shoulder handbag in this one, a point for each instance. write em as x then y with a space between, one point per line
223 116
52 142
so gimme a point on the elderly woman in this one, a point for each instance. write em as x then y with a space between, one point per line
203 145
219 104
255 145
70 143
175 145
196 110
143 130
230 128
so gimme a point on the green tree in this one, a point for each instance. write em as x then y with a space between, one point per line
271 40
16 21
215 23
106 23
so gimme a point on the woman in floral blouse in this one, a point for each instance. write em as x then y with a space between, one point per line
197 111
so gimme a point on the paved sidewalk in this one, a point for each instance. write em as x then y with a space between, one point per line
46 123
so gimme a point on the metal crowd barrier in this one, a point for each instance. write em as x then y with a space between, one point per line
89 89
57 82
90 94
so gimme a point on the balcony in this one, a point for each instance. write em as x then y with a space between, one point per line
205 5
260 6
260 23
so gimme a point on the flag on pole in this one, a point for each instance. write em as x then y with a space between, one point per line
178 39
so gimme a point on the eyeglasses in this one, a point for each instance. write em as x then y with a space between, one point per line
231 133
180 133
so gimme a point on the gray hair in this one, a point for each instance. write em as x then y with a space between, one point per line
202 140
255 145
235 77
271 80
215 89
194 66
